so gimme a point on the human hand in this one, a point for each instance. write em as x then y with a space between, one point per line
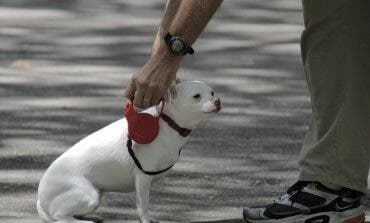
149 84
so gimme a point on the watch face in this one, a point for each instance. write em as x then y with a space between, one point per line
177 46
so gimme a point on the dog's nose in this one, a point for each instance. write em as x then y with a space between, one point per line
217 102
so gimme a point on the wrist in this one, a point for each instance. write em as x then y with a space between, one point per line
163 54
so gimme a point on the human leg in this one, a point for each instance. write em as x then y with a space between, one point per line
336 56
335 52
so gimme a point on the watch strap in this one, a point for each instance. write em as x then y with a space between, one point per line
187 50
190 50
167 38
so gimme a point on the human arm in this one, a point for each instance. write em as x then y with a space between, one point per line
186 19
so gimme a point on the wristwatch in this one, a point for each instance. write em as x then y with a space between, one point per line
178 45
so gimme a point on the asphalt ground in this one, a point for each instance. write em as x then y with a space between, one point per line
63 68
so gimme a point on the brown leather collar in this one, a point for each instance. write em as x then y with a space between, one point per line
182 131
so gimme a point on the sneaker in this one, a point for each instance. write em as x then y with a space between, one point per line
310 202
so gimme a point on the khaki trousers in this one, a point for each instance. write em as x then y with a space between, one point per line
335 49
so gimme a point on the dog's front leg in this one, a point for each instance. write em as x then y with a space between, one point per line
142 184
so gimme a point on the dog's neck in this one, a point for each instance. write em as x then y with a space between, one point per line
176 115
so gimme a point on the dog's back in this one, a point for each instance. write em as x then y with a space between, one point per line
99 159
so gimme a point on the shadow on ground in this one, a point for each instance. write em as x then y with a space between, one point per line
64 64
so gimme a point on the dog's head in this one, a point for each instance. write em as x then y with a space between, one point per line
188 102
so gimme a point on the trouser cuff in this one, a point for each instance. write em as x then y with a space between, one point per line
337 181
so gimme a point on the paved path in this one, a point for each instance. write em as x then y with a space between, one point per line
63 65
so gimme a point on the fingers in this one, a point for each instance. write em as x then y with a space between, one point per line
148 86
158 93
130 91
144 95
148 97
138 98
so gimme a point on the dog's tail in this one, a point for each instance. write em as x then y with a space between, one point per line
42 213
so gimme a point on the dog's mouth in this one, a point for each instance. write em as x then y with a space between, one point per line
216 110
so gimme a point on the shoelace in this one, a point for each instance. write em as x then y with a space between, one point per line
293 192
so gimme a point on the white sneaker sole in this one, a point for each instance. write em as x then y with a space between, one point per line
356 215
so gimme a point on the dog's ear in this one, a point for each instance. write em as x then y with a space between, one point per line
171 93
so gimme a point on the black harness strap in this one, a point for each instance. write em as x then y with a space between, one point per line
182 131
137 162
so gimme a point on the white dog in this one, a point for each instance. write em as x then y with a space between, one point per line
71 187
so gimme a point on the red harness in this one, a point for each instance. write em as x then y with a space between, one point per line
143 128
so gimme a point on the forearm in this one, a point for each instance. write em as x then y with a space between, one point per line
192 17
160 49
184 18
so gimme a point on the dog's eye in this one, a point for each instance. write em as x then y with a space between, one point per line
197 96
213 94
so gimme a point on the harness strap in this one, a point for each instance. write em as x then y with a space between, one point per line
184 132
137 162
